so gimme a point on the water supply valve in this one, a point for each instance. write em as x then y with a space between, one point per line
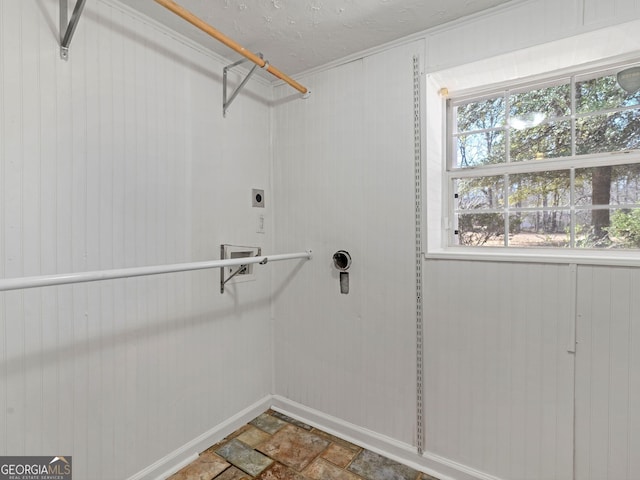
342 262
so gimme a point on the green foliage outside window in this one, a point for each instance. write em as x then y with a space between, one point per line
625 225
525 126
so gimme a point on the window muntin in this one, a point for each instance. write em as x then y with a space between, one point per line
503 195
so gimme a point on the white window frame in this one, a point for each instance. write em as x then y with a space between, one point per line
542 63
566 163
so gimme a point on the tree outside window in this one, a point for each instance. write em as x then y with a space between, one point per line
553 165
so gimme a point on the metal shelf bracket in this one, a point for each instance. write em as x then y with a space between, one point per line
68 27
226 102
243 268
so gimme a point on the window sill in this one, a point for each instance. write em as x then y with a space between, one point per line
515 255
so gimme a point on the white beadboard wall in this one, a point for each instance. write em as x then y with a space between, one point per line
120 157
499 390
342 181
608 374
521 24
500 398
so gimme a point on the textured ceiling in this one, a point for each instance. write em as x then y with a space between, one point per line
297 35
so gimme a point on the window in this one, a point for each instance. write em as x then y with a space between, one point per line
555 164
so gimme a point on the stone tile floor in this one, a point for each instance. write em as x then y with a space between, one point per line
275 447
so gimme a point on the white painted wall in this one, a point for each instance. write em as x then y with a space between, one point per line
608 374
499 390
522 24
120 157
499 380
342 181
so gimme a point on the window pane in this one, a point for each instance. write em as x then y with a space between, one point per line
481 229
540 229
549 140
625 185
601 94
594 207
481 193
608 228
612 132
540 189
480 115
480 149
624 231
610 185
543 103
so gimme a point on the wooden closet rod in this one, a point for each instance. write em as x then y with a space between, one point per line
205 27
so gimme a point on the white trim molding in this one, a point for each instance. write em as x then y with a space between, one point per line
182 456
401 452
429 463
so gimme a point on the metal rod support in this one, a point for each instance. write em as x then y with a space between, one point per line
64 19
238 271
208 29
227 103
83 277
224 281
68 29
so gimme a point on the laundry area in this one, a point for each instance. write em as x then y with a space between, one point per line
316 240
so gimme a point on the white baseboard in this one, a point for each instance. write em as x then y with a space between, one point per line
401 452
174 461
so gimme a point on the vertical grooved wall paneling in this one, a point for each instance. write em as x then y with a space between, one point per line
597 13
343 164
607 366
120 157
501 31
117 158
500 381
